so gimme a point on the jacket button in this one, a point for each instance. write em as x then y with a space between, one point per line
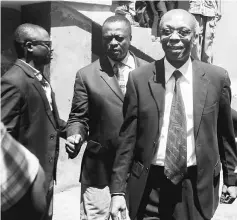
50 159
51 137
147 169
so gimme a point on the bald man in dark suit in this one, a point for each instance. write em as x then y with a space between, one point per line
176 135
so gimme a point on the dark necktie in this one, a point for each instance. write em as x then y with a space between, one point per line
176 148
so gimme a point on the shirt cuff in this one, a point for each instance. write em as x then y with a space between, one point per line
117 194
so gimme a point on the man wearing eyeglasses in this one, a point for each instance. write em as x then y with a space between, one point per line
28 107
96 115
176 135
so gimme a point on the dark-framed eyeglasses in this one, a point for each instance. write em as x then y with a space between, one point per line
182 33
41 42
44 43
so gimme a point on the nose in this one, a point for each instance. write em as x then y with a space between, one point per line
174 36
113 41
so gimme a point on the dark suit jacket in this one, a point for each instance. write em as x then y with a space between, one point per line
234 117
27 115
97 109
213 132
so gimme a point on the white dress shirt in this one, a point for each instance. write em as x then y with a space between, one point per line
128 64
46 87
186 85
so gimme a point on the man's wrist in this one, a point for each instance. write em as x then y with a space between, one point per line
117 194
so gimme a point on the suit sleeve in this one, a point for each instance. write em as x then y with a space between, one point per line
12 103
79 116
127 140
234 118
226 139
62 128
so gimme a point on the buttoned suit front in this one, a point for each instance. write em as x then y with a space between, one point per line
213 133
28 117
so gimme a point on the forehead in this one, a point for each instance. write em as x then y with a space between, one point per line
41 34
118 27
178 21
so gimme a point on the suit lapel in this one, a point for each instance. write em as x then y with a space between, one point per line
200 85
39 88
106 73
157 85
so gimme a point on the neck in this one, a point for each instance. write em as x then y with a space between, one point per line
177 63
33 64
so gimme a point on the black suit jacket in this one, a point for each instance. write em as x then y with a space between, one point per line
213 132
28 118
234 117
97 110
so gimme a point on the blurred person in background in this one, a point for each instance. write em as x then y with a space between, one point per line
207 14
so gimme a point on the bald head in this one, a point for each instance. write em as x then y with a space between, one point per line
28 31
177 36
179 14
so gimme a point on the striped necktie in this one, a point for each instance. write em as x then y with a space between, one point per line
176 148
120 76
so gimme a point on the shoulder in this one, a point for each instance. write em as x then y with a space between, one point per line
89 68
143 73
140 61
14 76
211 70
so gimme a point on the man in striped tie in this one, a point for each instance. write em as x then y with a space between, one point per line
177 132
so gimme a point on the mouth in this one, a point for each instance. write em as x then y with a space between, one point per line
175 47
115 51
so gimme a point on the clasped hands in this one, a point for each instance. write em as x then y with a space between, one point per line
73 145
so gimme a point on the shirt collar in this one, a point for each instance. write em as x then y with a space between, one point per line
36 72
127 61
186 70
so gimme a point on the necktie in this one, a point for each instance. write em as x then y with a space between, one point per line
176 148
46 87
47 90
120 77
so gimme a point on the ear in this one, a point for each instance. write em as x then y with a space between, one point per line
28 45
195 39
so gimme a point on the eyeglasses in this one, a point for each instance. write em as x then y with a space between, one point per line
181 33
47 44
41 42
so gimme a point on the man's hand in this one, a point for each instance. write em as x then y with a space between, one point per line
118 205
229 194
73 145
